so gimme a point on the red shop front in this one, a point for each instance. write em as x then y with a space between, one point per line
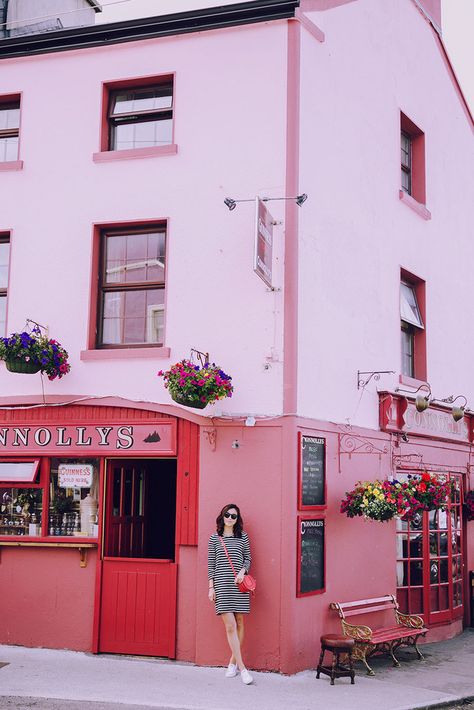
432 549
95 504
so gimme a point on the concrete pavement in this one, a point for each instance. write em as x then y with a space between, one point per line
64 680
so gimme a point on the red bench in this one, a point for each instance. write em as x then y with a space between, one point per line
406 631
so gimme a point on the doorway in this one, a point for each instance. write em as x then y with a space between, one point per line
430 566
139 571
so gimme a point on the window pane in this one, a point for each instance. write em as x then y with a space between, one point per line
133 317
405 143
3 315
457 594
8 149
408 352
406 181
409 310
147 99
4 260
142 134
73 510
133 258
21 511
9 117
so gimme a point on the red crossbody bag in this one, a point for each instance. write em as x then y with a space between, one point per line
249 583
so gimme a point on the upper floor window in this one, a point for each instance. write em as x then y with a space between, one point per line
4 263
9 129
406 162
132 287
141 116
413 339
412 145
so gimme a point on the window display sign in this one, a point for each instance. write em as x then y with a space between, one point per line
311 479
18 471
263 243
311 557
75 475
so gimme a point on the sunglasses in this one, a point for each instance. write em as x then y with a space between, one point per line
234 516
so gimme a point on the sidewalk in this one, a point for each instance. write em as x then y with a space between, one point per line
445 677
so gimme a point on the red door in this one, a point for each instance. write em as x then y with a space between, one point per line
138 598
430 562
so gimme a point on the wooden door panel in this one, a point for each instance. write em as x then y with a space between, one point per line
138 611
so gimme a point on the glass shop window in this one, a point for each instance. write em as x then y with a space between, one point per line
73 497
21 511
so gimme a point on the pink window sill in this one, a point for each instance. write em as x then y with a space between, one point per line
133 153
125 354
414 205
411 381
11 165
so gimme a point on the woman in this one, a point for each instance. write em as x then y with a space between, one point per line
231 603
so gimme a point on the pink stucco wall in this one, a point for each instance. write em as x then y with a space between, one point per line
47 599
230 131
379 59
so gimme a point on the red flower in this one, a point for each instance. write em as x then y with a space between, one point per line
426 477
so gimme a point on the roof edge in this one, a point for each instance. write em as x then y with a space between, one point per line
149 27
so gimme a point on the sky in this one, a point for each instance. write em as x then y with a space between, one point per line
458 27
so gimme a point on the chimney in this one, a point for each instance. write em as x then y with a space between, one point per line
22 17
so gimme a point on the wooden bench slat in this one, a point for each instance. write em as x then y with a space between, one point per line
368 609
361 602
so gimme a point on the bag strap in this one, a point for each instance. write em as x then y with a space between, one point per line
228 556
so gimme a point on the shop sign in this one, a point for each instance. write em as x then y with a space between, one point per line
400 414
152 438
263 243
310 560
71 475
312 484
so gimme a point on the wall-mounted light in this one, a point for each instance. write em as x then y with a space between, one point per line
457 412
422 401
299 199
231 204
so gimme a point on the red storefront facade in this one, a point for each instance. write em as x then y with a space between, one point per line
135 582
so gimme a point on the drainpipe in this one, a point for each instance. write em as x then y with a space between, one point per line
290 318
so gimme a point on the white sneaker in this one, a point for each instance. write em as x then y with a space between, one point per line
246 677
231 671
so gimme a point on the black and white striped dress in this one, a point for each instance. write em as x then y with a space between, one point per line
228 596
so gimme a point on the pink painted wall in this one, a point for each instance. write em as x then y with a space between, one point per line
355 234
47 599
249 476
230 132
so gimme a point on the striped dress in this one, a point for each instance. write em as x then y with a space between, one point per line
228 596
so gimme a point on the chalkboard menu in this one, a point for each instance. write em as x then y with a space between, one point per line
312 472
310 556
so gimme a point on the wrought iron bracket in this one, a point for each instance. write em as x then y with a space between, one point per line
363 380
350 444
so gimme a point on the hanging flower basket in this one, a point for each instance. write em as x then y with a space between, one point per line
196 386
32 352
25 368
182 399
384 500
469 505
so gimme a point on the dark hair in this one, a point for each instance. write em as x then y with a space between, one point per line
239 523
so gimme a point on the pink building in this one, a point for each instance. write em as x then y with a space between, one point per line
118 146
